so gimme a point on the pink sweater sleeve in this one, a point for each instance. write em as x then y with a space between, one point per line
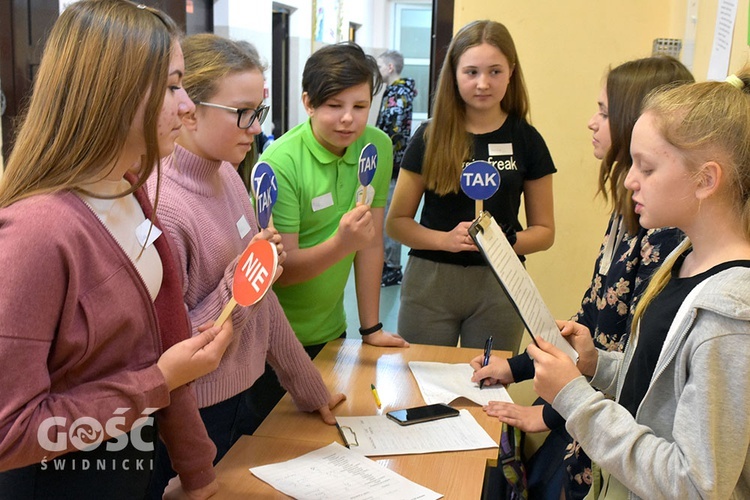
293 366
190 449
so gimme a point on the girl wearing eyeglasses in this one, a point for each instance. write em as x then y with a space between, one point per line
205 206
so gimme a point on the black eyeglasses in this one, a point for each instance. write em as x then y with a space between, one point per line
245 116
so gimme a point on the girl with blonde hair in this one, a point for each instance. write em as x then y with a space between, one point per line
204 205
678 427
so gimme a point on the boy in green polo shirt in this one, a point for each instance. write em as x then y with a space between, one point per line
323 224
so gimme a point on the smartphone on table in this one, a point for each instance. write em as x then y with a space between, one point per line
409 416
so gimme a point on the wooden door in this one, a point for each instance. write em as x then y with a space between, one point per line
24 26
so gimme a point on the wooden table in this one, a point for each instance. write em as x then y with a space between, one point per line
349 366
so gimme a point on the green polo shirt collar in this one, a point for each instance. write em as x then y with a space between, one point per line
321 154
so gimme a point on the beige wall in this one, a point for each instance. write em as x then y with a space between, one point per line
565 49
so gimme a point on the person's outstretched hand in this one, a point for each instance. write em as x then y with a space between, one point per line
553 369
382 338
196 356
325 411
526 418
497 371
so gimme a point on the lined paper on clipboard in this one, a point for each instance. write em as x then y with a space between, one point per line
518 285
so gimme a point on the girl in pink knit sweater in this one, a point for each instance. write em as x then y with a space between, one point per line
205 206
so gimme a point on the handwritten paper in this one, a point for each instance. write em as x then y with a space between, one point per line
518 284
335 472
445 382
377 435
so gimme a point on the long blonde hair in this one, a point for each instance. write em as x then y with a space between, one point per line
102 58
707 121
447 143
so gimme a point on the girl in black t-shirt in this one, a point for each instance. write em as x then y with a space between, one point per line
480 113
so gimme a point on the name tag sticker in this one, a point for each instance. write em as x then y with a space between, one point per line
321 202
505 149
243 226
142 232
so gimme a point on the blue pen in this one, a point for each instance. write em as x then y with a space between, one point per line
487 352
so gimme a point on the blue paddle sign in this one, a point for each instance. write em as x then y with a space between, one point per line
368 162
264 202
259 170
480 180
265 190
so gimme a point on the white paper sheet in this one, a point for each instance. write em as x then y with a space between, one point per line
718 64
445 382
335 472
377 435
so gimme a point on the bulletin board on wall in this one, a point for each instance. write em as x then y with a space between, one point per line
326 22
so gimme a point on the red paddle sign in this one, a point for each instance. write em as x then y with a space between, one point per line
253 276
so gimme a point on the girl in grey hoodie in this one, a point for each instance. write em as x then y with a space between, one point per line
678 427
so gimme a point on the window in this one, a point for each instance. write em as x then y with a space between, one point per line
411 36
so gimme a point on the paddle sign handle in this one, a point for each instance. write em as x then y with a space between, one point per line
226 312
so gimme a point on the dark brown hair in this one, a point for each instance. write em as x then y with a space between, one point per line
627 85
335 68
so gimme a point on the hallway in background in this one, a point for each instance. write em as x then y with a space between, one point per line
390 298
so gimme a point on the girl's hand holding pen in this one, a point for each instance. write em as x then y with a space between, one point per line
497 371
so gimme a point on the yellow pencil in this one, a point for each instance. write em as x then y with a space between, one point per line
375 393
